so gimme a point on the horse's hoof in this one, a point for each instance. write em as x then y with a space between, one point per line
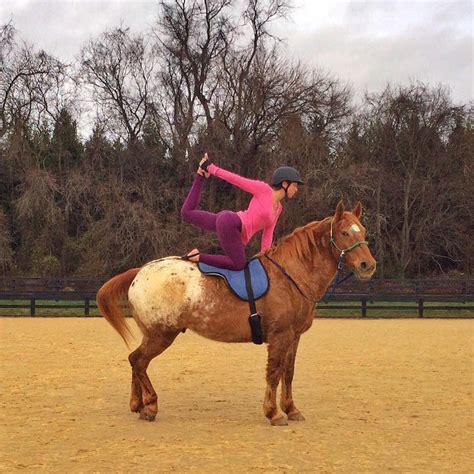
147 415
279 421
296 416
135 406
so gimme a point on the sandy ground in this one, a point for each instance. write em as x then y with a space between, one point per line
378 396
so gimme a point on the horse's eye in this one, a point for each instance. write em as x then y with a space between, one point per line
345 234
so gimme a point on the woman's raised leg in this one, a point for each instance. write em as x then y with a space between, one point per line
189 212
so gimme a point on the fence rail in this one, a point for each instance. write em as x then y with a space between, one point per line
38 294
32 304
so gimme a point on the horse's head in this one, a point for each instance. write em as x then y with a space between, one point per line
348 238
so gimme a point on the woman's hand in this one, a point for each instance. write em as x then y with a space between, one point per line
201 171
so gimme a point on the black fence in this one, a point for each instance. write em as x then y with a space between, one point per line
446 296
32 296
37 294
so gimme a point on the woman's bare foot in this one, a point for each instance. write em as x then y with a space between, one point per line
193 256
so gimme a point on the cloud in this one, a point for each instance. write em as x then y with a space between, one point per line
393 42
62 27
365 43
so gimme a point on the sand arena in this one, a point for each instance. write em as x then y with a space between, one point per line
378 396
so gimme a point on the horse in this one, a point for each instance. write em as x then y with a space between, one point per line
169 295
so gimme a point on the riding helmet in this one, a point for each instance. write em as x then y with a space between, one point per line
286 173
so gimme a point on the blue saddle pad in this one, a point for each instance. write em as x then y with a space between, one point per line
236 279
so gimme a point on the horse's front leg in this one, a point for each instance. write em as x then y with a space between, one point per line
286 401
277 350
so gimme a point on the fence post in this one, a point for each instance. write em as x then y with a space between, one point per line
418 287
32 307
420 307
86 307
364 307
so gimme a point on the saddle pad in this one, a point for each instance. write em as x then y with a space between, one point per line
236 279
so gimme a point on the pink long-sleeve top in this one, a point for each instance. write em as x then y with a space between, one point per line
259 214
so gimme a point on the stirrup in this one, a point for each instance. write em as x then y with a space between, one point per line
187 257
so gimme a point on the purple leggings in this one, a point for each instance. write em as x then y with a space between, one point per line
226 224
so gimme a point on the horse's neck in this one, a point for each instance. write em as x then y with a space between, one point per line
324 265
315 272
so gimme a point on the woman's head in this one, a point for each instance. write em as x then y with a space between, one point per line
288 179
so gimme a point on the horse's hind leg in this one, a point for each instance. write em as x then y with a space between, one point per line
136 400
286 402
143 397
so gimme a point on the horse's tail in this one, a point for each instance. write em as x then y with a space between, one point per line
108 300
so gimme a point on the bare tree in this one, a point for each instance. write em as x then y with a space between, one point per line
119 69
32 83
408 129
193 35
209 54
246 89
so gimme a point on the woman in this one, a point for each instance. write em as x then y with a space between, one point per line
235 229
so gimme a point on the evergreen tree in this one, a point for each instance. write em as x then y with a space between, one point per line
66 146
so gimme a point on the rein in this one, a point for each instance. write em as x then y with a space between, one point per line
282 270
337 281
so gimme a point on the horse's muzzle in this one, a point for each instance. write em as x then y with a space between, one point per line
365 269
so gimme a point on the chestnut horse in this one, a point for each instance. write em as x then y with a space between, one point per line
169 295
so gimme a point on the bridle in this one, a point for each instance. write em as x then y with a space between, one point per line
337 281
348 249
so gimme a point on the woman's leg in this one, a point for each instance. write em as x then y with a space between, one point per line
228 228
203 219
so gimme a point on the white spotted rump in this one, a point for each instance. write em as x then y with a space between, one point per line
164 289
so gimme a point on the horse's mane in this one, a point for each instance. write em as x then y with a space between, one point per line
301 243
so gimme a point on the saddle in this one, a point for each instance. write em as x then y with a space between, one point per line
236 279
248 284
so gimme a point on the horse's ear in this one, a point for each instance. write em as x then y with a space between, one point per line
357 211
339 211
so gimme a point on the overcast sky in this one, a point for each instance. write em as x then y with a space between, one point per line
363 43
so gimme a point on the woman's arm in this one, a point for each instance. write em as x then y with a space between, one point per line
248 185
267 234
267 237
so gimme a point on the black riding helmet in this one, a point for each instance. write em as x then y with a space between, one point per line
286 173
